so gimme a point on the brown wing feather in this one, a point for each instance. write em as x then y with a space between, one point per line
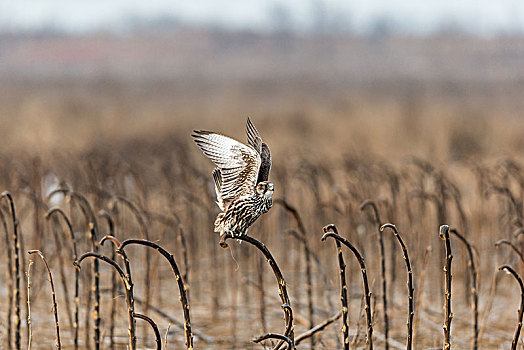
253 137
239 164
255 141
265 164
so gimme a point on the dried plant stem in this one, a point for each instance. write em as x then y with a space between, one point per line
318 328
287 333
474 288
174 221
201 336
165 336
280 337
127 267
16 267
23 280
128 287
309 289
513 246
511 271
282 287
30 329
411 311
158 339
289 325
93 234
58 245
343 288
444 235
53 296
139 215
9 279
111 226
61 213
89 296
182 239
378 222
179 279
367 293
289 328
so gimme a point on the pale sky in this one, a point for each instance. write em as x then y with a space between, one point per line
485 17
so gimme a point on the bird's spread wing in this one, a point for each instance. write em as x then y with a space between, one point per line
265 164
239 164
253 137
255 141
217 178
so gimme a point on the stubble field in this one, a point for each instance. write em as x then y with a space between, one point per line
430 130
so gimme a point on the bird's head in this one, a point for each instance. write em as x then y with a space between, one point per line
265 188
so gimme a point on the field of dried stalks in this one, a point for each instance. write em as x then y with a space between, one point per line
90 157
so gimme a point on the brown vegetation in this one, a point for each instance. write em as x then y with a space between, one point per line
422 152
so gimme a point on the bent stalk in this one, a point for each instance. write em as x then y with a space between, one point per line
181 286
128 287
367 293
411 289
61 213
514 273
158 339
474 289
378 222
53 296
278 275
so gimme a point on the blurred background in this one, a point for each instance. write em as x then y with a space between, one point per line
436 78
417 105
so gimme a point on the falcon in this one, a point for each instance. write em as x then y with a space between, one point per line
241 178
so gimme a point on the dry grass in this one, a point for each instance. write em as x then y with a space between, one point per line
335 143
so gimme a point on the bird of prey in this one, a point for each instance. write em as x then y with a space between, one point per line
241 178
